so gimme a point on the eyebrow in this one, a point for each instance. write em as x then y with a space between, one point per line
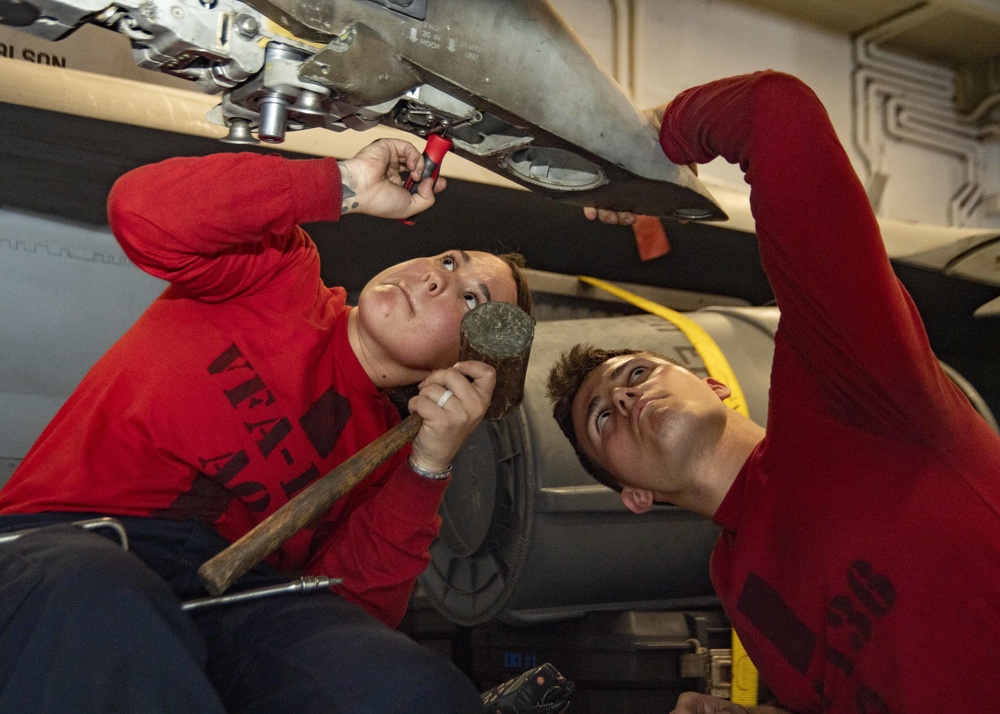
483 287
614 375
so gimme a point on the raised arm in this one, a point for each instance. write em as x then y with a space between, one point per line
221 225
843 312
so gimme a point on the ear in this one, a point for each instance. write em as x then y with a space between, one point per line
721 390
637 500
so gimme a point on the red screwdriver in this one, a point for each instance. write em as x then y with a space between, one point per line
434 152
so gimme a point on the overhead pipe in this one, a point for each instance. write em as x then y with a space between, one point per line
623 44
916 101
984 107
927 74
950 121
871 89
873 65
939 104
870 52
868 86
900 123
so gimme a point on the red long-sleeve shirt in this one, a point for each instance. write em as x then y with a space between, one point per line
237 387
860 553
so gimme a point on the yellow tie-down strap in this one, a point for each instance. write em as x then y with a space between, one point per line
744 676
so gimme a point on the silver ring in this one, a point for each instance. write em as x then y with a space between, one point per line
444 398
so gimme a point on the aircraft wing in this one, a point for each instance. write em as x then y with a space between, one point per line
506 80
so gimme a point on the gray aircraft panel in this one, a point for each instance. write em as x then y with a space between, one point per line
67 292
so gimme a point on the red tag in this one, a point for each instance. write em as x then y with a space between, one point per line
650 237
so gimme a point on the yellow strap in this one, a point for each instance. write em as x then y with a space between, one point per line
744 690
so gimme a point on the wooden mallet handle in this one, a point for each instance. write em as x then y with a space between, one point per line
496 332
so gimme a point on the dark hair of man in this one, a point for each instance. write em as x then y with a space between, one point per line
565 379
515 261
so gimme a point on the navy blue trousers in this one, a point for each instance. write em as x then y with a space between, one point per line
88 627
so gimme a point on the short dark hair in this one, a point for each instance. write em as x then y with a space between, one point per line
564 382
515 261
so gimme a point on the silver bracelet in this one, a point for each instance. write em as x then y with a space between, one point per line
433 475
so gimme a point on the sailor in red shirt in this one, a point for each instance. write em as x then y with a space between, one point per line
244 382
859 559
